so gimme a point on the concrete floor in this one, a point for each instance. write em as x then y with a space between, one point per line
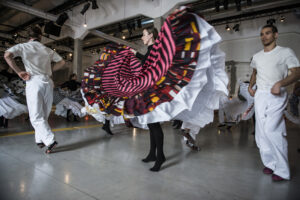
90 165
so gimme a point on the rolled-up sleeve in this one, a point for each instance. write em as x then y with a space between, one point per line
291 60
55 57
15 50
253 64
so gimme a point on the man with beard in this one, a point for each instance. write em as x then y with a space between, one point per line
270 73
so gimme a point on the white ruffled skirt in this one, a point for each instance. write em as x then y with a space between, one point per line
10 108
66 104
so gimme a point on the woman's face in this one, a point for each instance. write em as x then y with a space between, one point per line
146 37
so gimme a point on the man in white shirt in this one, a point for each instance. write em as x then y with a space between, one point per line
37 60
270 73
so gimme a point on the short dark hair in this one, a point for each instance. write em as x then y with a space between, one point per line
35 32
154 31
72 75
274 28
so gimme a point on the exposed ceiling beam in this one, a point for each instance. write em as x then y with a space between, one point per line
6 36
68 5
105 42
62 48
114 39
33 11
28 9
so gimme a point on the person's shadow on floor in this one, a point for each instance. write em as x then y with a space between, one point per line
81 144
178 159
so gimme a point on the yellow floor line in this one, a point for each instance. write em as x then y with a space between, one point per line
54 130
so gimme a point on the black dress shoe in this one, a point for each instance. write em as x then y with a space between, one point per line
41 145
51 147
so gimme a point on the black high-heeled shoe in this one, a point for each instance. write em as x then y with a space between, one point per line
107 130
158 165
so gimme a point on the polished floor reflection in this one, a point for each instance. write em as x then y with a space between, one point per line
88 164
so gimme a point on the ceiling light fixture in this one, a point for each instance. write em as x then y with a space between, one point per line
227 27
62 19
249 2
217 6
15 36
94 5
120 27
225 4
129 28
236 27
85 8
271 21
84 25
139 23
238 5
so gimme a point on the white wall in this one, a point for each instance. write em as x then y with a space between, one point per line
241 46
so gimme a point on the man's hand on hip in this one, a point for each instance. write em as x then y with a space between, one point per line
251 91
24 75
276 89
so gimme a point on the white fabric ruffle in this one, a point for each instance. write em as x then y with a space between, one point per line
236 109
250 100
233 109
10 108
99 115
67 104
196 102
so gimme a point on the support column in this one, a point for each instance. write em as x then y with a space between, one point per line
77 58
233 79
158 22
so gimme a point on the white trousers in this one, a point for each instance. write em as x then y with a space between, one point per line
39 96
270 131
